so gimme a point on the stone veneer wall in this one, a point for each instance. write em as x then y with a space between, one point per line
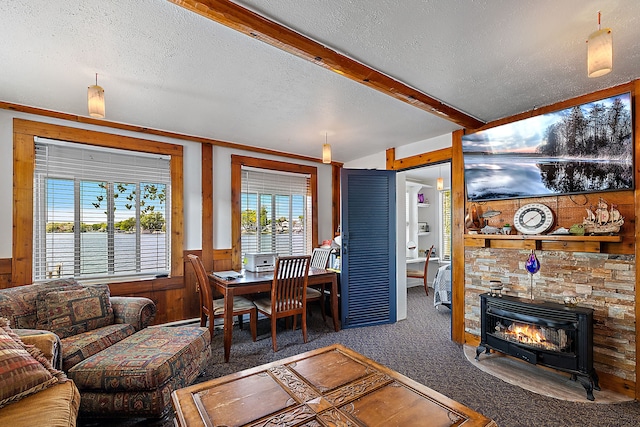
604 282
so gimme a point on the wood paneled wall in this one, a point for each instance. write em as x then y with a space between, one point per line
5 273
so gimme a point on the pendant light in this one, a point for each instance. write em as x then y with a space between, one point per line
326 151
95 100
599 52
440 180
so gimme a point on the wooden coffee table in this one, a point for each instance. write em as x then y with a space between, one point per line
330 386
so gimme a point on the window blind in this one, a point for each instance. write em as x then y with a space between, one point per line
100 212
276 212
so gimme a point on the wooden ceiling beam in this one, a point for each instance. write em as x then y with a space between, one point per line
250 23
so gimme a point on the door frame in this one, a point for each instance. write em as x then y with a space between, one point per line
454 156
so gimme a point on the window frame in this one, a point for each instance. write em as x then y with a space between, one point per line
445 218
24 133
237 162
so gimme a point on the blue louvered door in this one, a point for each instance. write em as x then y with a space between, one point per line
368 288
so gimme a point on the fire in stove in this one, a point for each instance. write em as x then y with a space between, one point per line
539 337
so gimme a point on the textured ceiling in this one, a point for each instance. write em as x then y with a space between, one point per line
165 67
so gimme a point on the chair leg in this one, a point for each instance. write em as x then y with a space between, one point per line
304 327
203 320
210 327
426 286
324 315
273 333
240 320
253 324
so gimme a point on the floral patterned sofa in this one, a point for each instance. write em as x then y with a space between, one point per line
121 366
112 318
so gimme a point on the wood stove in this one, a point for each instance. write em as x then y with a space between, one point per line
543 333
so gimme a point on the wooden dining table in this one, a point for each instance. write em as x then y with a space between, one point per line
252 283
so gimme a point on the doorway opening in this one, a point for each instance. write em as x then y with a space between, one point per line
428 228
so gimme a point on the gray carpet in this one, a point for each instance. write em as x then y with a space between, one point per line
419 348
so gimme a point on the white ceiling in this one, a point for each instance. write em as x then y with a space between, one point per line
165 67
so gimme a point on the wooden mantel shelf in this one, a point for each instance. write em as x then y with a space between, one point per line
548 242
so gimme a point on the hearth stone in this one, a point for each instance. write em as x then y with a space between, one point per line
543 333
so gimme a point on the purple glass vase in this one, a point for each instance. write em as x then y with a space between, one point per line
532 265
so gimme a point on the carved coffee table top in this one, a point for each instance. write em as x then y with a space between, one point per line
330 386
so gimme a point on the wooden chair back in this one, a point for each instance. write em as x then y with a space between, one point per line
320 257
289 288
422 275
426 262
206 299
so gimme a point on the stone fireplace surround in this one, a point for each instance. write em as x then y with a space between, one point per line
604 282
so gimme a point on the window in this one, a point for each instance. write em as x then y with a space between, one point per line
100 212
276 212
445 230
274 207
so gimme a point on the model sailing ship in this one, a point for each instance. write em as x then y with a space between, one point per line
602 220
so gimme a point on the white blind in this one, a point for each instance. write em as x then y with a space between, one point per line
276 212
100 212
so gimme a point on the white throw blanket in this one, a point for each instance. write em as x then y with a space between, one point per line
442 286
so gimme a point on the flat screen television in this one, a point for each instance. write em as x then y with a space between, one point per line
582 149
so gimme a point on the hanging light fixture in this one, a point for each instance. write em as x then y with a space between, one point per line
440 180
95 100
326 151
599 52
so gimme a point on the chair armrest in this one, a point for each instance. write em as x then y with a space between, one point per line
47 342
136 311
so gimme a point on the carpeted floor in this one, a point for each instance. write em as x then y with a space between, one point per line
419 348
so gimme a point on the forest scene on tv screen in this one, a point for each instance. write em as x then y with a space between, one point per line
586 148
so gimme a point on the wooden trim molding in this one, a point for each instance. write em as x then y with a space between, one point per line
5 273
391 159
590 97
255 26
207 206
335 197
236 189
150 131
24 132
5 265
457 239
429 158
636 133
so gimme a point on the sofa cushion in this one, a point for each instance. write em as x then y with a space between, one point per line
79 347
68 312
19 304
57 406
23 369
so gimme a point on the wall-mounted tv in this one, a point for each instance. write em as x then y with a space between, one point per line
586 148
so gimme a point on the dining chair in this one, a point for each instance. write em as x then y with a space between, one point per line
319 259
288 293
422 274
214 308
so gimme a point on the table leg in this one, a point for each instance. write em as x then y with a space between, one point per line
334 302
228 322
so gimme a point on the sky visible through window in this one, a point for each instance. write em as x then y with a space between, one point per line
60 201
250 202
